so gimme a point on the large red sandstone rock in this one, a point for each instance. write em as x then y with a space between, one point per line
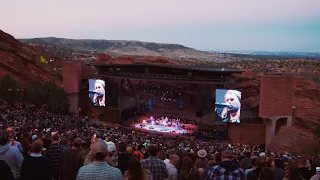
124 60
155 60
21 61
307 103
4 37
249 84
291 139
104 58
4 46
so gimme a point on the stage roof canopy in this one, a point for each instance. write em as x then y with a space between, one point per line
173 73
162 66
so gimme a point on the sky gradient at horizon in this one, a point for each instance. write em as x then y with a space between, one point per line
273 25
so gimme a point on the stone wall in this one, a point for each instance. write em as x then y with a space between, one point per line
247 133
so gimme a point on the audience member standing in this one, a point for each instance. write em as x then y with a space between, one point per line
304 171
171 166
70 162
5 171
277 166
292 172
188 171
253 163
99 169
10 154
246 162
155 165
139 153
54 154
135 171
260 163
202 160
123 157
227 169
266 174
36 167
13 141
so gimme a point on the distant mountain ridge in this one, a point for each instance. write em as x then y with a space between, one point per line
122 47
271 55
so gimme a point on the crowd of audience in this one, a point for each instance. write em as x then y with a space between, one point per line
36 144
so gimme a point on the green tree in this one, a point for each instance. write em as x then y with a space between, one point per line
35 94
9 89
48 94
56 98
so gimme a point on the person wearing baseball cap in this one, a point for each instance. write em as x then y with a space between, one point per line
227 169
112 159
99 169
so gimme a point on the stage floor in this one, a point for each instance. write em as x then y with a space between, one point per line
160 129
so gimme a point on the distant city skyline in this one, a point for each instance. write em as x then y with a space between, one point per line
246 25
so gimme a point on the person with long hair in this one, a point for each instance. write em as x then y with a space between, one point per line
135 171
277 168
266 174
188 171
161 155
292 172
99 96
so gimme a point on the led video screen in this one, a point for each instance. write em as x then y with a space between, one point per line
97 92
228 105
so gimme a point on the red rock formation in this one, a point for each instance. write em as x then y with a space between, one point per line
307 103
104 58
250 89
125 60
156 60
291 139
21 61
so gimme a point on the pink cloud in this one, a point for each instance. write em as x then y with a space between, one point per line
23 18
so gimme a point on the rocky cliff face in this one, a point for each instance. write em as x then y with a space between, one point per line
307 102
26 63
292 139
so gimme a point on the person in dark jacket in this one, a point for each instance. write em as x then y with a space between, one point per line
260 163
5 171
70 161
36 167
123 157
227 169
245 163
304 171
277 168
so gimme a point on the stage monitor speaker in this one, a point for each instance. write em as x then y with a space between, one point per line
199 104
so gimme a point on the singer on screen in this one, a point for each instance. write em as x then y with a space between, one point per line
97 95
229 111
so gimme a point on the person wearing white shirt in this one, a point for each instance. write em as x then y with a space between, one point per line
170 164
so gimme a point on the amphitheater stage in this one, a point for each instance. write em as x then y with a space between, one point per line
145 124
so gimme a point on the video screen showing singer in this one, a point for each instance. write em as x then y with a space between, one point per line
228 105
97 92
